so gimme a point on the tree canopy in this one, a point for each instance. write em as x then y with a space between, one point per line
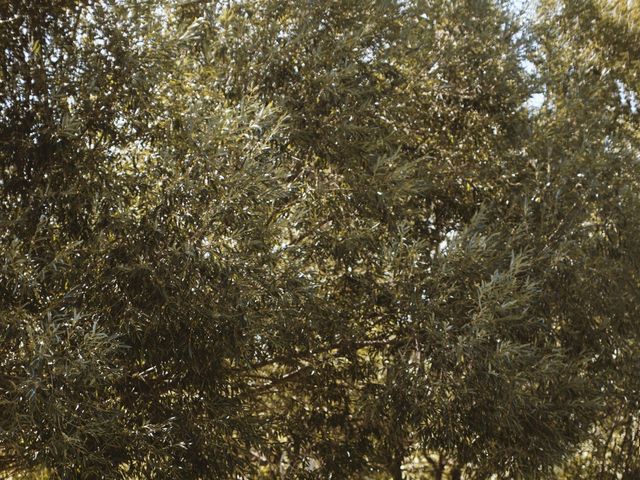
264 239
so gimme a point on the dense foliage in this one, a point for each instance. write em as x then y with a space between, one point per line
319 239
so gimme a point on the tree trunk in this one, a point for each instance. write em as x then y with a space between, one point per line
397 472
438 473
396 467
456 473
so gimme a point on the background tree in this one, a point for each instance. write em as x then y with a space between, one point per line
590 145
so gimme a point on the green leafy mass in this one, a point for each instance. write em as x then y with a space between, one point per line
319 239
